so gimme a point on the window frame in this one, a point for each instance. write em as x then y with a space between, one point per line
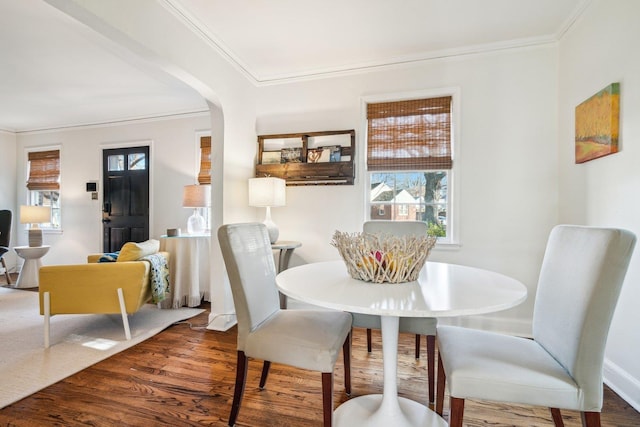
452 240
30 195
205 212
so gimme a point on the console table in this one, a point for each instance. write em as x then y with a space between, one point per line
189 268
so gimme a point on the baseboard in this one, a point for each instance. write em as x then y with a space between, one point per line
621 382
221 322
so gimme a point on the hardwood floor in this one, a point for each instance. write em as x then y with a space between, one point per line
185 377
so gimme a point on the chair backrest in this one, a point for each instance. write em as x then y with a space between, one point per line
396 228
248 257
5 227
580 280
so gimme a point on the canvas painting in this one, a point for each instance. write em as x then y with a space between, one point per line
597 124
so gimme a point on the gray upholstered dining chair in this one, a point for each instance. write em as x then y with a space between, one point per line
561 367
416 325
306 339
5 239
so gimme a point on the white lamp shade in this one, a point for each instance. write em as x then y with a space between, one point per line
196 196
35 214
268 191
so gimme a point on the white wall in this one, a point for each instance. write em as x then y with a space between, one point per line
8 187
7 170
601 49
174 153
507 182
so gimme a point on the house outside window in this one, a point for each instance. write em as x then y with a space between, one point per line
410 162
43 184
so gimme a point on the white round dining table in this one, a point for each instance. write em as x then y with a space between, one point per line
442 290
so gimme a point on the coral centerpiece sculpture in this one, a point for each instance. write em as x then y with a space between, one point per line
383 258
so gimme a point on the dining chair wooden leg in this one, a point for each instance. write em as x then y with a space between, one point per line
431 365
440 390
417 346
346 354
456 411
241 376
327 398
590 419
369 340
6 271
557 417
265 373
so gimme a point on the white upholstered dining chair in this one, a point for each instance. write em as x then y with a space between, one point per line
561 367
415 325
306 339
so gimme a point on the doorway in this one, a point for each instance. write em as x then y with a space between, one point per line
125 209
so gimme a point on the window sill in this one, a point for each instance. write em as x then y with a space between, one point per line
447 246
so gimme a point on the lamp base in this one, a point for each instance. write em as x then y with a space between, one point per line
195 223
272 228
35 237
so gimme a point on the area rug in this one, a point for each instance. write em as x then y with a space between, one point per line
77 341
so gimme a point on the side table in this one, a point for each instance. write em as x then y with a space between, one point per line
28 277
286 248
189 268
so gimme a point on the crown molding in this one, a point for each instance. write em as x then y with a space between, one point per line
200 30
219 46
116 122
407 61
573 18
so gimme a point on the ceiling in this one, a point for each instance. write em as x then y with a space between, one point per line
55 72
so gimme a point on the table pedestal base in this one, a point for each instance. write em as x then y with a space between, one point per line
369 411
387 409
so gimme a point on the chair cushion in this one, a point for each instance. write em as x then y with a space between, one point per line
503 368
132 251
306 339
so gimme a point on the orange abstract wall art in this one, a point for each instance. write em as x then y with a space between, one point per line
597 124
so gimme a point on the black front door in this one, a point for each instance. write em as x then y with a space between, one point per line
125 210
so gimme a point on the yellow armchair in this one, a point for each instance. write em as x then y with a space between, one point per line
94 288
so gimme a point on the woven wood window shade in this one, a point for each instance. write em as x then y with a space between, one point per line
204 176
44 170
409 135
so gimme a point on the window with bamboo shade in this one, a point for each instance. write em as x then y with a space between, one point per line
410 162
44 170
43 183
204 175
409 135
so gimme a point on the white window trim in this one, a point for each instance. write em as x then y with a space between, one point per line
453 202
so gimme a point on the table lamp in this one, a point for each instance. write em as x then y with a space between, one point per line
268 192
196 197
35 215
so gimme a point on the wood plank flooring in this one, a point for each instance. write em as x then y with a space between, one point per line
185 376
